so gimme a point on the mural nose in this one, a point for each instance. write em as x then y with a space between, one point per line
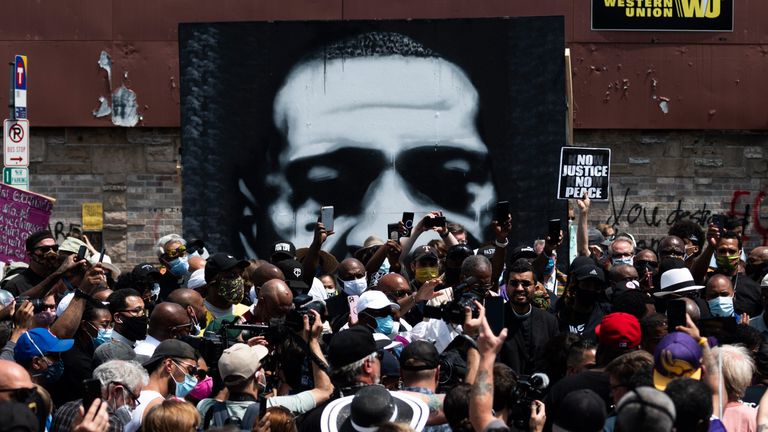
384 203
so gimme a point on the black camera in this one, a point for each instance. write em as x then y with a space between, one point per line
463 297
303 304
528 389
37 304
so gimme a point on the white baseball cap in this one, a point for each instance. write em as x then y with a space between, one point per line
374 299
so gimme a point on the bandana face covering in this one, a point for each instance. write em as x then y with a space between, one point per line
232 290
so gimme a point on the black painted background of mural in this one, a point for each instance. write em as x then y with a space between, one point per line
230 73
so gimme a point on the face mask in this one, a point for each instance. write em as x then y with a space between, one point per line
385 324
550 265
134 328
124 413
424 274
232 290
721 306
183 388
103 336
179 266
622 260
54 371
198 325
355 287
46 318
586 297
726 262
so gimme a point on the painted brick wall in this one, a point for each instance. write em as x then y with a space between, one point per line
657 177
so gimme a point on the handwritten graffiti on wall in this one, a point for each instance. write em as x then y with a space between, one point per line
746 205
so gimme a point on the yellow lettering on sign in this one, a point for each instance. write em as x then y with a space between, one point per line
695 8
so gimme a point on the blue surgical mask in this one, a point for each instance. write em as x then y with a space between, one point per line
183 388
623 260
550 265
355 286
179 266
103 336
54 372
721 306
385 324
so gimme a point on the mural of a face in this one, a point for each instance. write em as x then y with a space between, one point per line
375 136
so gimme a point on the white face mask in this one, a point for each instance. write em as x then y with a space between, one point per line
355 286
623 260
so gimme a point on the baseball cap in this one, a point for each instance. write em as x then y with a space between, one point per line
112 350
170 348
677 355
37 343
580 411
281 250
241 361
589 271
196 279
374 299
595 237
487 251
36 237
292 270
619 330
424 251
106 263
645 409
221 262
145 269
522 251
419 355
351 345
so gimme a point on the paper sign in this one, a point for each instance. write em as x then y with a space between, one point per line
584 170
93 216
21 214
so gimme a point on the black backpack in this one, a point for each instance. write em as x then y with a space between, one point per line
218 415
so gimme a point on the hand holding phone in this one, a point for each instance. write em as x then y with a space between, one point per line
501 214
435 222
91 392
553 231
393 231
407 223
675 314
81 253
326 217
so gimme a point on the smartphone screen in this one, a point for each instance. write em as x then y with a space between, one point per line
91 391
554 229
719 221
502 211
393 231
675 314
408 223
326 217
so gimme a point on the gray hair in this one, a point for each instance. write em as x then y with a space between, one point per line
160 245
128 373
738 368
473 264
347 375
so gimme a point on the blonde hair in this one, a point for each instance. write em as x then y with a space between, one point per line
171 416
395 427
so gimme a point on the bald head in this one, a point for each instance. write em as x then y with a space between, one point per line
264 273
13 376
719 286
196 263
392 283
692 309
166 320
351 268
671 246
275 300
184 297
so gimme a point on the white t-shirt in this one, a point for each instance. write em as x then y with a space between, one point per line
145 397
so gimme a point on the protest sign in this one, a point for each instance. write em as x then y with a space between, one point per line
584 170
21 214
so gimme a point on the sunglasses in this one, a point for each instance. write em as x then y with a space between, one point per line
645 263
515 282
21 395
46 249
173 253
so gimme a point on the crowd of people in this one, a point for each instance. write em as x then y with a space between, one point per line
418 332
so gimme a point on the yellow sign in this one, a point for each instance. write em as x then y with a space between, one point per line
93 217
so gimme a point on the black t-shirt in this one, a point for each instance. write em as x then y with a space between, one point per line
25 280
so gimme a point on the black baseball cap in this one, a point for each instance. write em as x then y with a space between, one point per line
292 270
170 348
424 251
419 355
522 251
589 271
351 345
36 237
145 269
221 262
282 250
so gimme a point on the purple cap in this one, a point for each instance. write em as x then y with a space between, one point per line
677 356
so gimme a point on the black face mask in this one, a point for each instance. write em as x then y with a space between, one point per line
134 328
586 297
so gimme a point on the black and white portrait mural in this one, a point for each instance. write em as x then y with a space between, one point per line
372 117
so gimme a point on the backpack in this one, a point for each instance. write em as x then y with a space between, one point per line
218 415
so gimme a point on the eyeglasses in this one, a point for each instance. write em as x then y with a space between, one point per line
22 395
188 327
46 249
137 311
134 396
515 282
189 368
401 294
173 253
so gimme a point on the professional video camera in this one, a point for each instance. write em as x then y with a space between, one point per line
302 305
464 295
527 390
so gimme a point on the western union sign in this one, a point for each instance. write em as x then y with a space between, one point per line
664 15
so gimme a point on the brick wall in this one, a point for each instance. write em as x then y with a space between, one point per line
656 178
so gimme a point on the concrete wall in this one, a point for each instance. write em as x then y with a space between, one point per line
657 177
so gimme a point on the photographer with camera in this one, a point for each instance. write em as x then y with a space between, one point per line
481 397
242 370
